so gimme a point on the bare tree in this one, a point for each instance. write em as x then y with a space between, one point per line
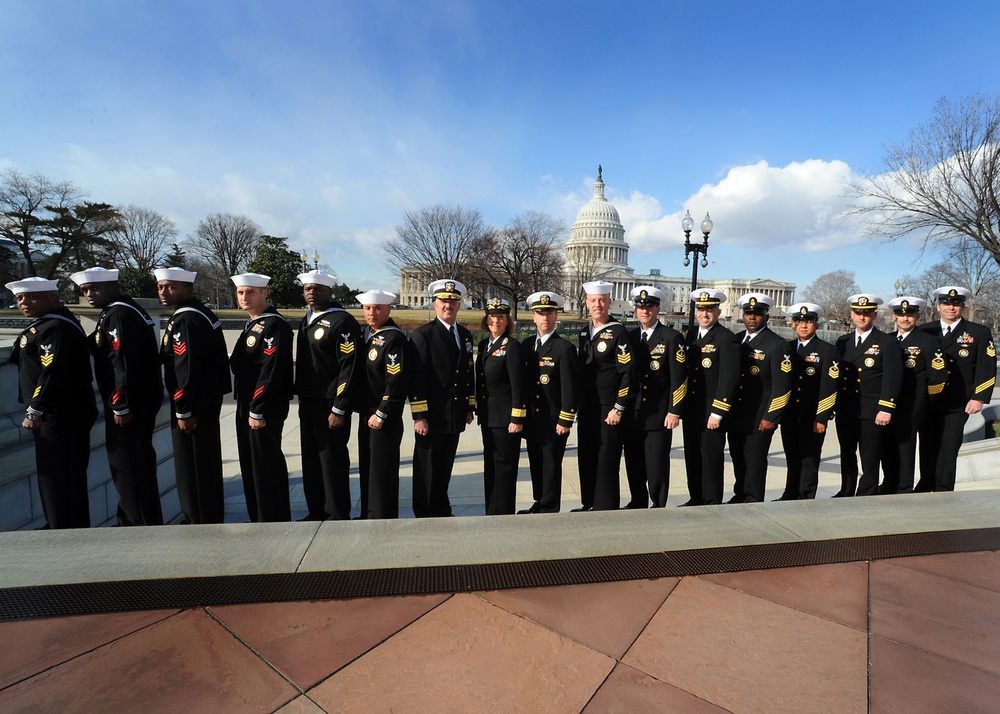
27 204
971 267
584 263
944 180
520 258
227 244
139 238
830 291
437 242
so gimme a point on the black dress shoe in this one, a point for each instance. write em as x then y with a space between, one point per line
785 498
582 509
841 494
692 502
630 506
736 499
536 507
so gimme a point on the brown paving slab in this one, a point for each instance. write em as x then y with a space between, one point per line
941 616
628 691
47 642
604 616
980 569
468 655
308 641
746 654
905 679
838 592
301 705
186 663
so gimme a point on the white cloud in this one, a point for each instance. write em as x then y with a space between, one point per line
799 206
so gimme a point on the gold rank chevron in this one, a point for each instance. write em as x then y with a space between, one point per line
935 388
347 348
623 392
624 359
393 368
47 360
341 387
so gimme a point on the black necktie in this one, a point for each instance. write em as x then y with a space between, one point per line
899 336
859 341
538 344
802 348
644 340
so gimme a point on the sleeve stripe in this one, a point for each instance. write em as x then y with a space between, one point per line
988 384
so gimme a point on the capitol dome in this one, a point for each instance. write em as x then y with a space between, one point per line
598 234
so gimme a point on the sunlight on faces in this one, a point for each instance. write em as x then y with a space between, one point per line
949 313
317 296
647 315
805 329
251 299
447 309
377 315
598 306
545 321
707 316
172 292
99 294
863 320
497 324
753 322
905 322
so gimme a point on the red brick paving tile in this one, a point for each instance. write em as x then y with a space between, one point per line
931 613
628 691
838 592
302 705
308 641
905 679
604 616
746 654
46 642
979 569
468 655
185 663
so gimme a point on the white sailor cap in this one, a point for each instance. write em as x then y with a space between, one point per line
598 287
544 301
906 305
176 275
864 302
708 297
376 297
806 311
33 284
647 296
953 294
318 277
756 303
251 280
95 275
447 289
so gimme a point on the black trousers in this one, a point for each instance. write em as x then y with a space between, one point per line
803 451
940 440
62 454
378 467
545 459
704 461
501 454
198 467
749 454
433 460
899 461
647 466
263 467
132 459
864 436
600 457
326 461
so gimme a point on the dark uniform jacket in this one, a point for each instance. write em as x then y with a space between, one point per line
714 363
870 375
607 370
195 363
262 364
53 360
924 375
442 383
765 380
126 362
553 378
501 386
815 380
327 357
662 369
383 385
971 361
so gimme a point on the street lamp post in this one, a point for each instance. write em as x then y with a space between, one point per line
900 286
316 259
698 249
304 259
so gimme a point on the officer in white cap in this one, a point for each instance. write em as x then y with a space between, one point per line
553 376
764 391
442 397
381 393
196 374
924 376
815 379
971 361
56 386
127 366
262 366
714 360
871 373
607 391
327 372
661 366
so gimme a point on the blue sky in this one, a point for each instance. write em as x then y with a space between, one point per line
325 121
